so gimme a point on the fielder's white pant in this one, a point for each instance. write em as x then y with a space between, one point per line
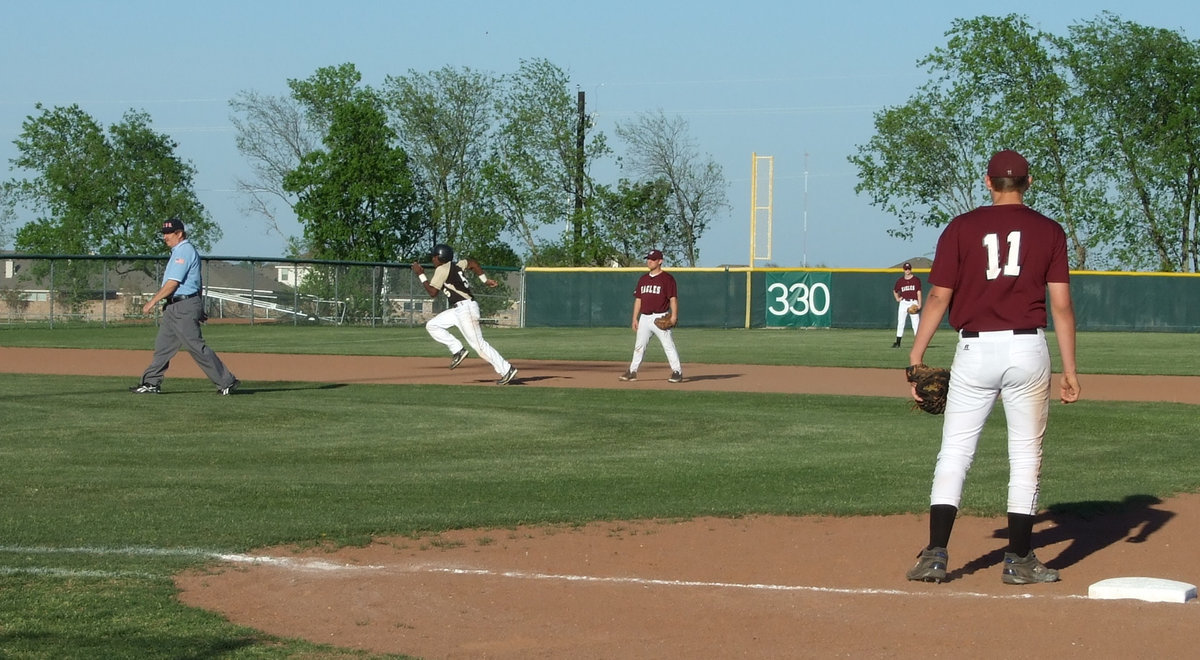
1017 369
465 316
646 327
902 312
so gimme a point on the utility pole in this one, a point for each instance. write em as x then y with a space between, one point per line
580 132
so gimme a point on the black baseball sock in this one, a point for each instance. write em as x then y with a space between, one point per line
1020 534
941 523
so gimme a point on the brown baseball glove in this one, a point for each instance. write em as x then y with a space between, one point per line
664 322
914 308
932 385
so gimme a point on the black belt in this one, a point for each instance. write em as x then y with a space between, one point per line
175 299
971 334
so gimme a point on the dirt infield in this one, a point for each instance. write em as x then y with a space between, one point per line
794 587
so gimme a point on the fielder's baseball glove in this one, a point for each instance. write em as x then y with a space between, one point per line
914 308
932 385
664 322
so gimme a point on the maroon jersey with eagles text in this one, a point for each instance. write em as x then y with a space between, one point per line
656 292
908 288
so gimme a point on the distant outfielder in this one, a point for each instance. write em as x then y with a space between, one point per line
907 292
655 311
451 278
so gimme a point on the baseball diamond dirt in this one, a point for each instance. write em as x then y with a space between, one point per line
758 586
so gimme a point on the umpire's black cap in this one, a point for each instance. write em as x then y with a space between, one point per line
172 225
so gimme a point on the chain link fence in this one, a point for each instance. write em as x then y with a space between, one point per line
93 289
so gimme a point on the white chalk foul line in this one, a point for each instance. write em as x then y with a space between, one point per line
731 585
317 565
128 551
296 563
73 573
132 551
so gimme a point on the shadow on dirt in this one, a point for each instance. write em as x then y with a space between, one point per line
1087 526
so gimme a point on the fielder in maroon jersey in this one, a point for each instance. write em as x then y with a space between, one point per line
654 296
992 270
907 292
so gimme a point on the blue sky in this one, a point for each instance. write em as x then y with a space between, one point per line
798 81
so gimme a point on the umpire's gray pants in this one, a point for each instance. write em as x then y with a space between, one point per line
180 328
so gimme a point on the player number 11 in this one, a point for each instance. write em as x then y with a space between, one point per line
1011 267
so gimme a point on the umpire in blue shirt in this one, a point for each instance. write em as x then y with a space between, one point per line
183 311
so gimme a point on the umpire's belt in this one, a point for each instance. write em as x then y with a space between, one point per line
175 299
971 334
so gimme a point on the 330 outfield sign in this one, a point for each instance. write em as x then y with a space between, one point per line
798 300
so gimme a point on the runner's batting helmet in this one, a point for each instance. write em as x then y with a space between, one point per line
443 252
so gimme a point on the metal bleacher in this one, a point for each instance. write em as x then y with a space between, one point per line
265 301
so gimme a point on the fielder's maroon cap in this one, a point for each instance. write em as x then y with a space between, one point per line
172 225
655 255
1008 163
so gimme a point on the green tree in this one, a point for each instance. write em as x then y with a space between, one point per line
538 175
921 165
634 218
357 198
444 120
1025 99
274 133
1109 117
661 149
93 192
1144 121
997 84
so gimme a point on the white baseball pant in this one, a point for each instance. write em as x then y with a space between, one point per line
465 316
646 327
1017 369
902 313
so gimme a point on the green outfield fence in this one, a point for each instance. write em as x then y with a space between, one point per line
736 297
94 289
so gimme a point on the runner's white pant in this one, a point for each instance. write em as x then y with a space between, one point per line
646 327
901 313
465 316
1017 369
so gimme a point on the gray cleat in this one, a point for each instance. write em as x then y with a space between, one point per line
512 373
1026 570
930 566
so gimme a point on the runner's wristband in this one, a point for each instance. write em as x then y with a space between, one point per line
422 278
483 278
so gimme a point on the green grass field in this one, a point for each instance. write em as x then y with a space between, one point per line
106 495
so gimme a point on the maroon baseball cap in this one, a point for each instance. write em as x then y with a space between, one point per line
172 225
1008 163
655 255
